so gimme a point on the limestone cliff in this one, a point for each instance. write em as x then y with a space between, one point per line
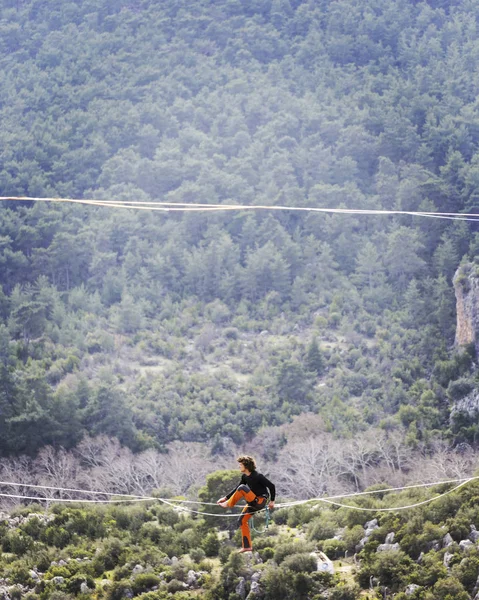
466 286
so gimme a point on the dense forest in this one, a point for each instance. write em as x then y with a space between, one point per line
141 350
210 327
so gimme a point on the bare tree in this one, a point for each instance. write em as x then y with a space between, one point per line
57 468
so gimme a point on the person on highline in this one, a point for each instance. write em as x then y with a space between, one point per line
254 488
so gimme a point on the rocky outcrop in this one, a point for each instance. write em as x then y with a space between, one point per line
469 405
466 286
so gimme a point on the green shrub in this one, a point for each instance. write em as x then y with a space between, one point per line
119 590
144 582
175 586
288 548
266 553
352 536
344 591
73 585
449 589
112 554
197 554
56 536
298 563
33 527
17 543
333 548
323 527
19 573
211 544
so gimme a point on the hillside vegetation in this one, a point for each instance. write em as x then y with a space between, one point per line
153 552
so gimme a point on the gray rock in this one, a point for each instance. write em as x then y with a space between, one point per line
167 560
447 540
465 545
192 578
390 538
420 558
256 576
62 563
58 580
255 591
434 545
466 287
474 535
373 524
84 589
386 547
370 527
241 588
33 574
411 588
137 569
447 559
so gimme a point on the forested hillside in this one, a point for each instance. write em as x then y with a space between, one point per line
218 328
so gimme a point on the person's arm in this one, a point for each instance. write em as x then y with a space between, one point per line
272 490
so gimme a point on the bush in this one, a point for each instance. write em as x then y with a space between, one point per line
144 582
119 590
231 333
266 553
211 544
333 548
323 527
296 547
74 584
299 563
352 537
345 592
176 586
197 554
17 543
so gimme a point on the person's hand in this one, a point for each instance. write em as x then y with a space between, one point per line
221 500
271 505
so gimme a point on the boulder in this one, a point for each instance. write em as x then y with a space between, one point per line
390 538
241 588
411 588
84 589
255 591
447 540
447 559
192 578
465 545
386 547
474 535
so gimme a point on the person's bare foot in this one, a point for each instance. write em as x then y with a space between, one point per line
245 550
223 504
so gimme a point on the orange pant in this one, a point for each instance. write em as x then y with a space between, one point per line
255 503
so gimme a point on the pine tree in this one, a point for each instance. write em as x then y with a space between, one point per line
314 358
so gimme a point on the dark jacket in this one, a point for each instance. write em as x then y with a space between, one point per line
257 483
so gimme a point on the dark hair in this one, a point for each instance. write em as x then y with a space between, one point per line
248 462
